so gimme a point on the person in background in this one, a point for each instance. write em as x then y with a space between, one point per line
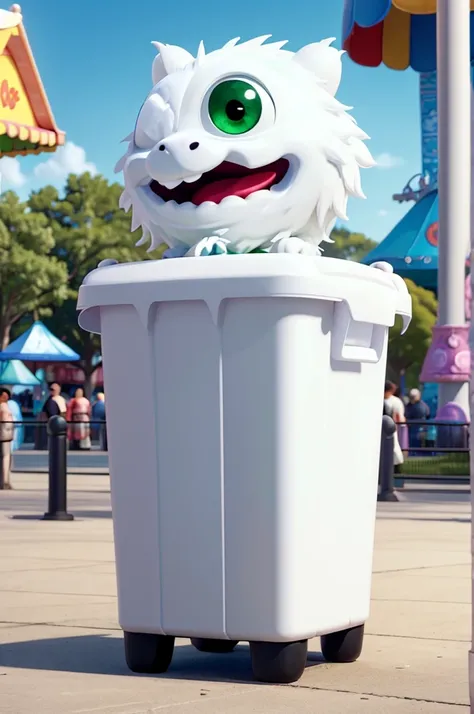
416 410
98 414
98 409
79 417
401 423
6 437
394 403
55 405
393 406
19 430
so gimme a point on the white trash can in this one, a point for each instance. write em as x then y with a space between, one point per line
244 405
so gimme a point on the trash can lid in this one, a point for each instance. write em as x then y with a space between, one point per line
372 295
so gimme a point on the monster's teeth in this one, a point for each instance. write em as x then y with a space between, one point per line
171 184
192 179
170 205
187 206
230 201
258 196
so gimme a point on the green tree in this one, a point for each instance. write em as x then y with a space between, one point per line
406 353
32 277
348 246
88 226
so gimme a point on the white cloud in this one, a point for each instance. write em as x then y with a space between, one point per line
382 212
11 175
388 161
68 159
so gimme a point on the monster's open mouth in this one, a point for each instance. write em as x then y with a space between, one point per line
225 180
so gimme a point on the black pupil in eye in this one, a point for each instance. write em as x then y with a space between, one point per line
235 110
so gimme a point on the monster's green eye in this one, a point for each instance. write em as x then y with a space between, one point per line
235 106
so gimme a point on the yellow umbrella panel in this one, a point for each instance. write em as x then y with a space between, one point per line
419 7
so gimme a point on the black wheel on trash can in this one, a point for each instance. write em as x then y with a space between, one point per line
148 654
278 662
343 646
204 644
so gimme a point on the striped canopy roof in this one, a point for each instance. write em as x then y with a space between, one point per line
397 33
14 372
411 247
38 344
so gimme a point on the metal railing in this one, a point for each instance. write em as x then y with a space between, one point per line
32 433
433 451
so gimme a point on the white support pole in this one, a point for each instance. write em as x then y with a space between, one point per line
454 137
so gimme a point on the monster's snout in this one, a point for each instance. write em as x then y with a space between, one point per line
183 155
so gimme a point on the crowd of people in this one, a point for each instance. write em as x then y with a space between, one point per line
403 411
78 411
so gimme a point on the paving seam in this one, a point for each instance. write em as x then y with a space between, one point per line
376 696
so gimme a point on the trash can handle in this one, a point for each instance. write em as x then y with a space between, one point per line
344 351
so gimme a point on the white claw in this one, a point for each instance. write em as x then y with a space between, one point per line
292 244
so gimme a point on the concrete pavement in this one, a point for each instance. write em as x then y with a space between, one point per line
29 460
61 649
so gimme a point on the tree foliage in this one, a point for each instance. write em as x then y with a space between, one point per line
32 277
88 226
348 246
406 353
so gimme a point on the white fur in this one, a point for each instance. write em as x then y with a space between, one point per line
302 121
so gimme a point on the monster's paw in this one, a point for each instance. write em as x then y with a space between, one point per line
383 266
214 245
292 244
178 251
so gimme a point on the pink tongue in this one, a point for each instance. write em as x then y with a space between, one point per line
242 186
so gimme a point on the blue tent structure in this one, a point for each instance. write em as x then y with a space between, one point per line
38 344
412 246
16 373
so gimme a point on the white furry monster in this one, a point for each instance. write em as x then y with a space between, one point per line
241 149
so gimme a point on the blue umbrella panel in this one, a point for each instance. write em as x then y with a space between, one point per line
15 373
38 344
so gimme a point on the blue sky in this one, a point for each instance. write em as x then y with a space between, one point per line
95 61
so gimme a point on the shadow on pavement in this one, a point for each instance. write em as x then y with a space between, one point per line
101 654
78 514
91 513
444 519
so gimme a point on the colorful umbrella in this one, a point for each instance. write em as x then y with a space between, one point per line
15 372
397 33
38 344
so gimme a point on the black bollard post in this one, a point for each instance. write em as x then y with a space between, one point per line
57 498
386 461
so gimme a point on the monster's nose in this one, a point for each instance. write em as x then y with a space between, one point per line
193 146
184 154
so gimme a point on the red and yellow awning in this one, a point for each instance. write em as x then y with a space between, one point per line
27 123
397 33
